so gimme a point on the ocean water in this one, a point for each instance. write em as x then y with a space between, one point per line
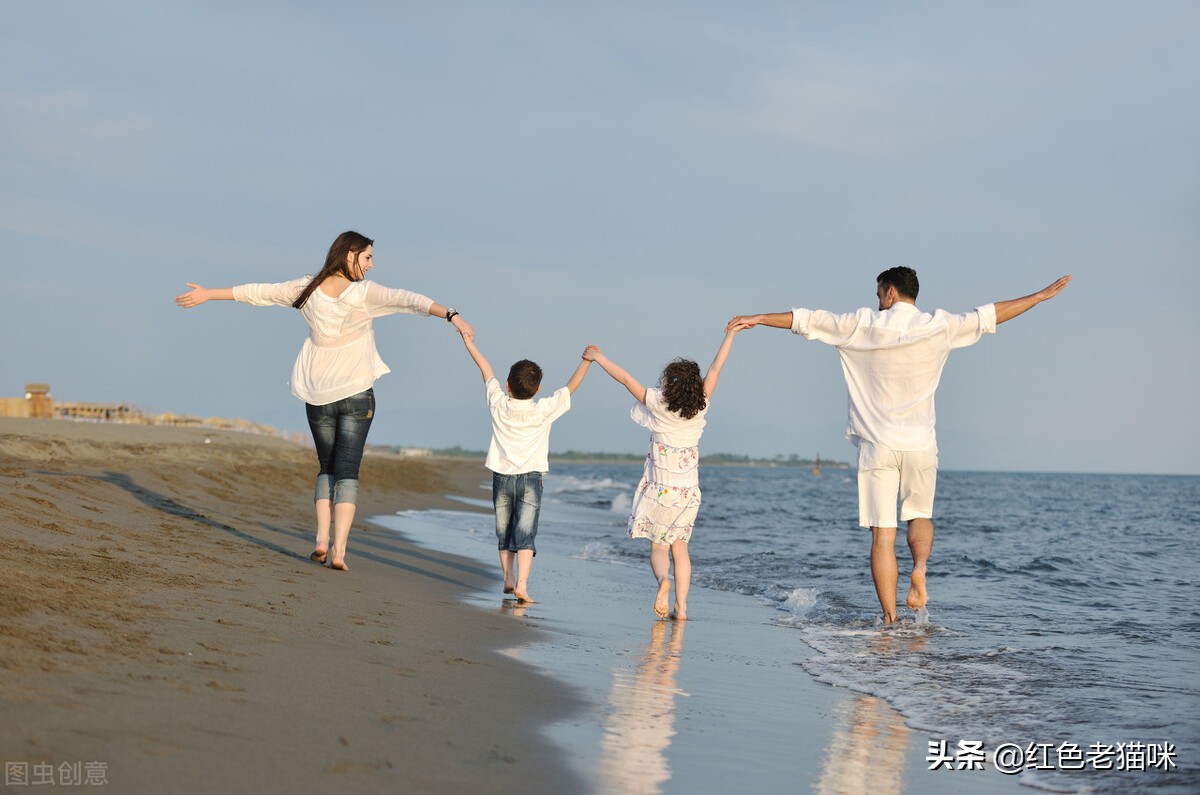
1063 608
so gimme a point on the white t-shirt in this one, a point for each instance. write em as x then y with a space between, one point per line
339 358
665 425
893 361
521 429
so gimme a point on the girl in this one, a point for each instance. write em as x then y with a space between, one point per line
668 496
336 368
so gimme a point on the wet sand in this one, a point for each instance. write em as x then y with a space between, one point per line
162 625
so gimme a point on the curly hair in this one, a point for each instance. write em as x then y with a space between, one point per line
683 388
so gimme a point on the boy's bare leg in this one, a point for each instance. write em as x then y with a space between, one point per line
343 517
660 565
683 579
524 564
920 543
506 565
883 569
324 510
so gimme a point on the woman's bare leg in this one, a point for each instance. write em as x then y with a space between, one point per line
343 517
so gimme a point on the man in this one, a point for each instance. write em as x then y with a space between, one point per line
892 360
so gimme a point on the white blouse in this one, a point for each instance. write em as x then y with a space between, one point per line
339 358
666 426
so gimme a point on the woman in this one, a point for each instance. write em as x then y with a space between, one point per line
336 368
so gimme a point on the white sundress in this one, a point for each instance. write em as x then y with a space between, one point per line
667 498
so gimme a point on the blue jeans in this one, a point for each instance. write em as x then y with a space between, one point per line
339 433
518 501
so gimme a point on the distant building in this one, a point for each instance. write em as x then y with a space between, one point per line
36 404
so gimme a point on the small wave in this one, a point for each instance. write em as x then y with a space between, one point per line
621 503
556 484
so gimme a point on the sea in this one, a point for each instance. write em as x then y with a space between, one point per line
1063 629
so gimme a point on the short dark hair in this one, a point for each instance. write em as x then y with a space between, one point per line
902 278
524 378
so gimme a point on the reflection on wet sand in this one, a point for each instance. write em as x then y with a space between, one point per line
642 722
866 751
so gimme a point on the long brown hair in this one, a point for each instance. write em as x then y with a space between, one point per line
335 262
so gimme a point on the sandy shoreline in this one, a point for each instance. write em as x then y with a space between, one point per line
160 616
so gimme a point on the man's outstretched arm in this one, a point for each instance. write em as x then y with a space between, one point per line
774 320
1007 310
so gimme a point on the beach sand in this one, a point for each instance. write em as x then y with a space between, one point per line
163 629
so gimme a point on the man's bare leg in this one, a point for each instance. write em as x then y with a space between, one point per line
506 566
660 565
524 564
920 543
324 510
683 579
343 517
883 569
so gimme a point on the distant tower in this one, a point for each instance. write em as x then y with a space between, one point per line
40 402
817 466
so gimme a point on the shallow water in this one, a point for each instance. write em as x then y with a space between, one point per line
1062 607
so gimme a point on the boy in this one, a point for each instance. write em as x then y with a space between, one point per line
518 455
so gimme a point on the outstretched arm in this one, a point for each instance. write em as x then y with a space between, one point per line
577 376
460 325
198 295
592 353
773 319
1007 310
714 369
468 336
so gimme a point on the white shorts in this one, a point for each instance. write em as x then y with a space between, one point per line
885 474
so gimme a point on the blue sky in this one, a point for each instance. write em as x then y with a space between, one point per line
628 174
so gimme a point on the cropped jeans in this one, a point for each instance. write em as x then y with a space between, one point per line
339 431
518 500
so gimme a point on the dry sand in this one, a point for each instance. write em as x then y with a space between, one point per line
159 615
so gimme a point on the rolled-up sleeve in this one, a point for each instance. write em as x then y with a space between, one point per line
824 326
967 328
278 294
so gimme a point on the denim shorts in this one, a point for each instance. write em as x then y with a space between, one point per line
339 432
518 501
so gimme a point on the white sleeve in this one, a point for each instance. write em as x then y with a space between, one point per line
279 294
382 300
823 326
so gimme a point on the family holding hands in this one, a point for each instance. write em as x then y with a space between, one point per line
892 359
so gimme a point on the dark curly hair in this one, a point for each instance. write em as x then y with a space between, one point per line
683 387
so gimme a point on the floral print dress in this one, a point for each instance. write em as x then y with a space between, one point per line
667 498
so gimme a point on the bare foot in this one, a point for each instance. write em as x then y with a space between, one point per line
660 599
340 565
523 598
916 594
318 555
508 588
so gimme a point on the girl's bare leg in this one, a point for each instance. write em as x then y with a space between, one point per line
343 517
660 565
683 578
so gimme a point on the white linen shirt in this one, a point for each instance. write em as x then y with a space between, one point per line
339 358
893 361
521 429
666 426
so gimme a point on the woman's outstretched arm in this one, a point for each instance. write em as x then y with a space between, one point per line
198 295
593 354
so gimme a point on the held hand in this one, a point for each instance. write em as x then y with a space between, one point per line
741 322
194 297
463 327
1053 290
590 353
